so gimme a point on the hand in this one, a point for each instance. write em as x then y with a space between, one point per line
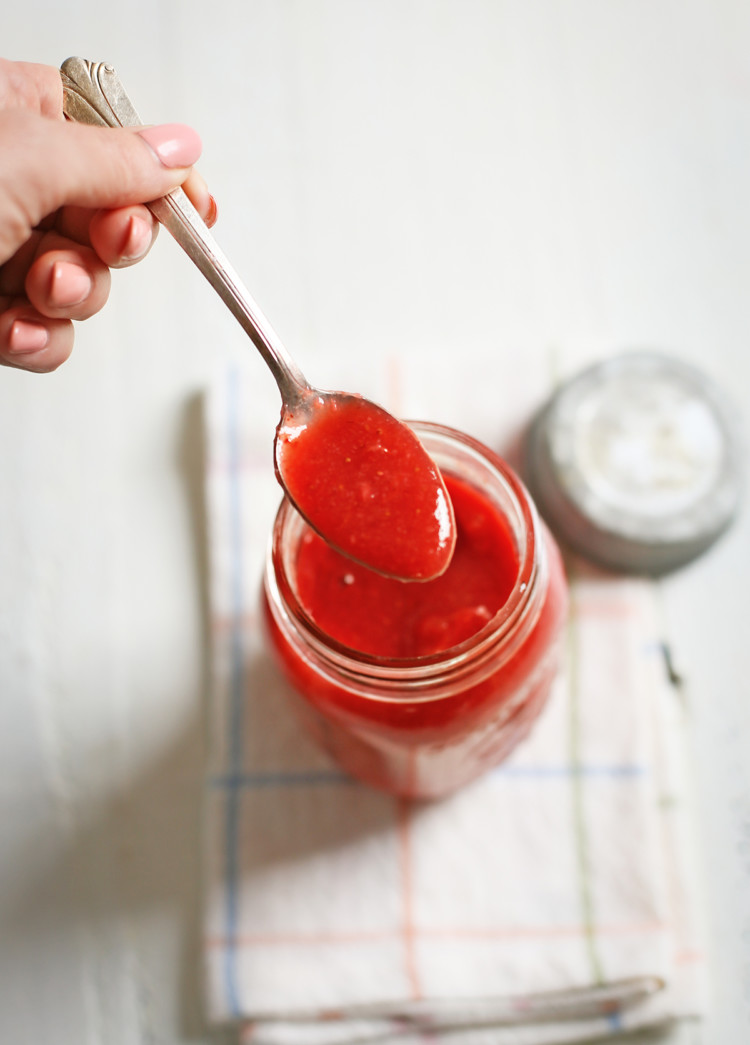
72 208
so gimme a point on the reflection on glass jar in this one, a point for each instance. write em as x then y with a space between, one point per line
419 688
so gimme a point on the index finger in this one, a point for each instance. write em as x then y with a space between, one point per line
75 222
28 85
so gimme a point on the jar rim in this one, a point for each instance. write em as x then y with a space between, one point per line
488 636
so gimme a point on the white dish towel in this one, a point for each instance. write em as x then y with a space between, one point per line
549 902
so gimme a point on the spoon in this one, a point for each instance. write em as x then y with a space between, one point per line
360 478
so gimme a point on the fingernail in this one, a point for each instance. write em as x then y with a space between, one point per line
200 197
137 239
174 144
26 337
69 285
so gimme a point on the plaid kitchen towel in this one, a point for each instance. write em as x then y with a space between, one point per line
549 902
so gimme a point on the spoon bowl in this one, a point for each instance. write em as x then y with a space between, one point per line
364 482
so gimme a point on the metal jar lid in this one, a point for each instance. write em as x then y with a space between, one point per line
635 463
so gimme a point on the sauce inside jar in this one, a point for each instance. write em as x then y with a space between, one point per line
389 618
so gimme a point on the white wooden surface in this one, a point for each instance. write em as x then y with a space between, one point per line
394 177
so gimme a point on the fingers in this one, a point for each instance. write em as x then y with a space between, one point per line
36 332
197 192
93 167
123 236
72 207
54 279
68 284
27 85
32 342
126 234
63 282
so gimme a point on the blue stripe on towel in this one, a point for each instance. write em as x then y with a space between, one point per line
615 1022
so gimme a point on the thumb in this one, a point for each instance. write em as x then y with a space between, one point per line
47 164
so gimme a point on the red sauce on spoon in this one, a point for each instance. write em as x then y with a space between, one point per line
365 483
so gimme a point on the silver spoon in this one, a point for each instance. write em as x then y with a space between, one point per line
93 94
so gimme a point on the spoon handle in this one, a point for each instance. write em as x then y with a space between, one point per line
93 94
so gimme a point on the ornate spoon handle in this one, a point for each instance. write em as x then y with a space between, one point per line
93 93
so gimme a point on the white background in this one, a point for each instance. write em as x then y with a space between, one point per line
480 188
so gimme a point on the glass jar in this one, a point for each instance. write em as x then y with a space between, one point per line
424 726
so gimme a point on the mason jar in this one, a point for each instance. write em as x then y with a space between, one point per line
421 726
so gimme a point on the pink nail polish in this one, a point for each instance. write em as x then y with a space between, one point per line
26 337
69 285
174 144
